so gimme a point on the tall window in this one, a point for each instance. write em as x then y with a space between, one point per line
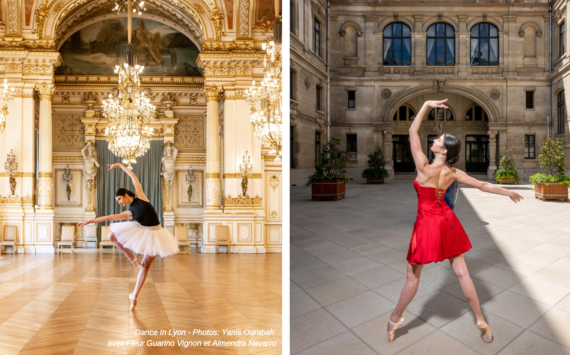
351 143
404 113
430 143
397 44
529 147
352 99
529 99
318 98
561 112
476 113
317 148
562 39
317 39
292 16
291 86
291 147
440 44
484 44
441 113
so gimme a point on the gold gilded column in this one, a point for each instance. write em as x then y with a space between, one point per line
45 179
213 183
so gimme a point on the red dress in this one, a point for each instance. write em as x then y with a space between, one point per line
438 234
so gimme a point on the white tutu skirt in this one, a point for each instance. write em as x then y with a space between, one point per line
145 240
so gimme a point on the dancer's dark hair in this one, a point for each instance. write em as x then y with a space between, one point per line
122 192
453 146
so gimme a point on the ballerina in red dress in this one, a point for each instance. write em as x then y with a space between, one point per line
438 234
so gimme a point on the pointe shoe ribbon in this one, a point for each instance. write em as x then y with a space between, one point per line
486 334
396 325
133 302
136 263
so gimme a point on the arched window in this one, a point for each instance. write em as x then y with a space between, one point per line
397 47
476 113
404 113
561 112
440 44
440 114
484 44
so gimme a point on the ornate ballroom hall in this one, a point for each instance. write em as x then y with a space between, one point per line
204 166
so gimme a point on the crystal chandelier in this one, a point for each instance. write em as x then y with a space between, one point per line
122 6
266 102
6 95
130 112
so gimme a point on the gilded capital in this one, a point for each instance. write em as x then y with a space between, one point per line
46 91
212 93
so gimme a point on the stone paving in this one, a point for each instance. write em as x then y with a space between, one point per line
348 263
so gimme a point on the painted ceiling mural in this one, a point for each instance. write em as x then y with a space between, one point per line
230 13
97 48
265 11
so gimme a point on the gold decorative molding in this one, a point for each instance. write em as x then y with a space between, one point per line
217 17
47 175
28 44
46 91
41 15
264 27
274 182
238 176
188 159
240 95
189 132
69 131
17 200
240 200
228 47
18 174
76 158
212 175
146 80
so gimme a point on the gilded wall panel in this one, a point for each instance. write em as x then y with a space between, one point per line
189 132
68 132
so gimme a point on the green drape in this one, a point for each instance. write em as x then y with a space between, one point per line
147 169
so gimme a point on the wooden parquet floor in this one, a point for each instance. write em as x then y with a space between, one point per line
79 304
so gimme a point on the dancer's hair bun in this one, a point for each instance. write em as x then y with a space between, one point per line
451 161
122 192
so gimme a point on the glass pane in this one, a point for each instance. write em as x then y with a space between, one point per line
402 110
440 29
405 30
484 51
493 31
397 51
407 155
387 57
440 60
388 31
411 114
431 52
431 31
484 30
397 29
475 31
478 113
431 116
440 114
470 139
450 32
450 51
469 115
494 52
407 56
449 116
474 52
484 138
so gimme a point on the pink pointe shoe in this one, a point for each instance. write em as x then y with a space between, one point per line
133 302
396 325
486 334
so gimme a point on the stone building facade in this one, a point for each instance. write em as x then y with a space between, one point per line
490 59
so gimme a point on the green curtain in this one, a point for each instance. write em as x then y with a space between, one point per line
147 169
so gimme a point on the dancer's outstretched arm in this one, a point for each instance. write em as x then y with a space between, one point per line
463 178
114 217
139 193
420 158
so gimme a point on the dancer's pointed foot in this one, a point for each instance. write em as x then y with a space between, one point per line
486 334
133 302
136 262
392 326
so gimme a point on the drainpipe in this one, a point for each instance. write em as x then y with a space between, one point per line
328 75
550 71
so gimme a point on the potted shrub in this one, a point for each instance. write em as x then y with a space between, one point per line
554 184
328 182
507 174
375 173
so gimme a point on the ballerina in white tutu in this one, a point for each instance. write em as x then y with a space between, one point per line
145 236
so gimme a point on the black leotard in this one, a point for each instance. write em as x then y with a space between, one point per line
144 213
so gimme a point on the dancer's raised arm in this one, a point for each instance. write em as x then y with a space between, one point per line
114 217
138 188
420 158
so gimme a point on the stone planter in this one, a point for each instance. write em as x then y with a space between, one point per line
506 181
552 191
375 180
331 190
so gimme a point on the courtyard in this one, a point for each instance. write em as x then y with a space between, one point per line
348 264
